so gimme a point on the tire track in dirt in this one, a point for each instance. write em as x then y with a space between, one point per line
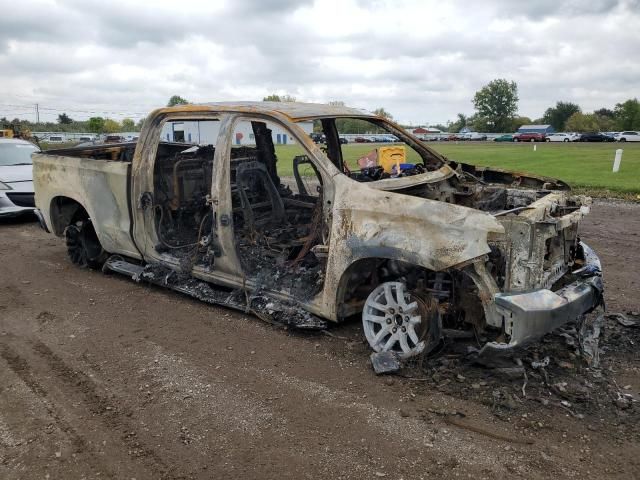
21 368
111 412
113 417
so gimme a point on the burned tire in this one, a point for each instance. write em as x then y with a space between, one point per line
83 246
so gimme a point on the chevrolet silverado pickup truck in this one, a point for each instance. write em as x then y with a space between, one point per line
233 203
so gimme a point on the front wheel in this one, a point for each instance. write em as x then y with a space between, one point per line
566 140
623 139
405 322
532 140
516 140
83 246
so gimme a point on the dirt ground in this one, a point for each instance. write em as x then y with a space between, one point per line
101 377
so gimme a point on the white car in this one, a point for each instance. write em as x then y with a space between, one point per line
628 136
16 177
561 137
475 136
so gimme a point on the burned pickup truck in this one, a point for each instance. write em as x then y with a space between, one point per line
234 204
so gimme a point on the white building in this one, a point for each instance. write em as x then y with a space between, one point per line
206 132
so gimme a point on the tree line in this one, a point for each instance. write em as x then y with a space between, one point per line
66 124
496 106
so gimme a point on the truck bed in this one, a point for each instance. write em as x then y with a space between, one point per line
117 152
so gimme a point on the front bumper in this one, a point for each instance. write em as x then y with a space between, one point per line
15 203
528 316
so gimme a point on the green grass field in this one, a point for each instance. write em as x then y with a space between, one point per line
585 166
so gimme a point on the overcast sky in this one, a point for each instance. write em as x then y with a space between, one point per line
421 60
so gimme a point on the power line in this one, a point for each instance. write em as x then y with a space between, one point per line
73 110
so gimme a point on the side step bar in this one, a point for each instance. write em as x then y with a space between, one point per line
269 310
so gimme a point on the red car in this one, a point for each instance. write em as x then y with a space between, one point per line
529 137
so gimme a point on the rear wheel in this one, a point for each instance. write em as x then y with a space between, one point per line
83 246
566 140
516 140
532 140
623 139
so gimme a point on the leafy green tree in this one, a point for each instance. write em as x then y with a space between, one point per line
381 112
558 115
63 119
498 103
581 122
96 124
519 121
627 115
605 123
605 112
460 123
140 124
279 98
177 100
480 124
128 125
111 126
354 125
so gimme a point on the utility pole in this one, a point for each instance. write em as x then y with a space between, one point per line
37 114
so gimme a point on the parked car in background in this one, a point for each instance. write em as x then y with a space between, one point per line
16 177
561 137
529 137
384 138
504 138
362 140
594 137
317 137
475 136
344 140
628 136
114 139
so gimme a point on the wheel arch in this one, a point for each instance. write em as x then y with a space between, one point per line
367 272
65 210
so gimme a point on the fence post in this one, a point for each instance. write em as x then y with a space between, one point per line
617 160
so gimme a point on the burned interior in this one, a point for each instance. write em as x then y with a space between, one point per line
276 224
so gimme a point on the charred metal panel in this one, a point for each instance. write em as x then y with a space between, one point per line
100 186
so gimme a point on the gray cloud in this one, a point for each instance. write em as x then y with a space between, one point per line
422 61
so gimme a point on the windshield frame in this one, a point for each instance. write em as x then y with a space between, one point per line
433 160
